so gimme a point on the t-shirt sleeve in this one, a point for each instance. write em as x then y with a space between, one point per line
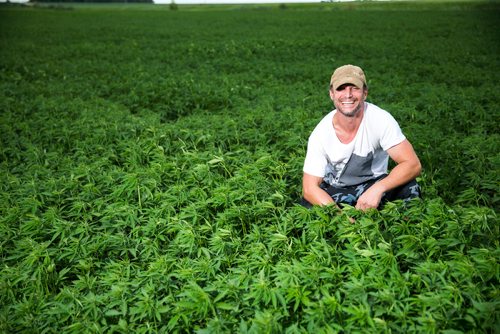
315 161
392 134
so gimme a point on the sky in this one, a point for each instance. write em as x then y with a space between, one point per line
235 1
211 1
217 1
230 1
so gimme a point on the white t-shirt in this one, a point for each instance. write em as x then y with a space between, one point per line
361 160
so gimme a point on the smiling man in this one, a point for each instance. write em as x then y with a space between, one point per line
348 151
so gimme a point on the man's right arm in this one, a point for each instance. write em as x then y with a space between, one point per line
312 191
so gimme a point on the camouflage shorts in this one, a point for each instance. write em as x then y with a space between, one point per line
350 195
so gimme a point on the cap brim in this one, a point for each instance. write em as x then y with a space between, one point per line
348 80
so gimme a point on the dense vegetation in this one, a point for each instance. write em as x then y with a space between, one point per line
150 166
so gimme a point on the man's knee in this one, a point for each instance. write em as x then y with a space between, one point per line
405 192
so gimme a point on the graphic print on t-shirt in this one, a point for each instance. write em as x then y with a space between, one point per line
333 171
357 170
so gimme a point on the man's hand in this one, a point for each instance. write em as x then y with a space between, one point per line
370 198
407 168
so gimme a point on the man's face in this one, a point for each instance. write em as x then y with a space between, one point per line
348 99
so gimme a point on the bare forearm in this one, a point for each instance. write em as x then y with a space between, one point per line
407 167
399 175
312 191
317 196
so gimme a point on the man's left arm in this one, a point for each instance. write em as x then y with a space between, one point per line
407 168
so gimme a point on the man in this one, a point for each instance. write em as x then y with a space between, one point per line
348 151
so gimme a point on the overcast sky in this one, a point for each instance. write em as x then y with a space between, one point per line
236 1
231 1
217 1
213 1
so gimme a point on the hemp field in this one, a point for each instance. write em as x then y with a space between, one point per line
151 161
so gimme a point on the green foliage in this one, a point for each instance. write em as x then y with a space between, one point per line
150 170
173 6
